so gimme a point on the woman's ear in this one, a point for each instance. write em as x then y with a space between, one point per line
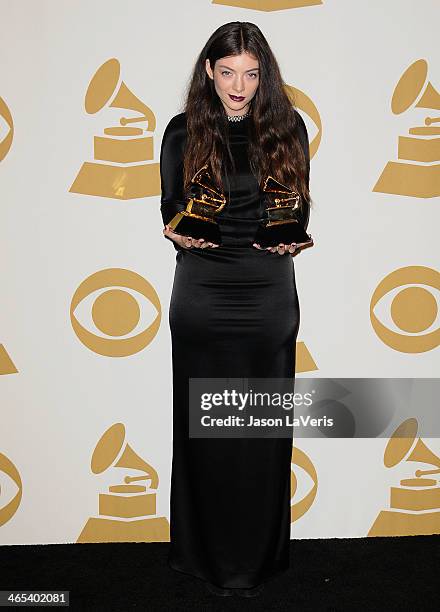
208 69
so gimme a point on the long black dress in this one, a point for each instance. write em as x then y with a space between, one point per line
234 312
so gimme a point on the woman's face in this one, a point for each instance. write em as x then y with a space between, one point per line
236 80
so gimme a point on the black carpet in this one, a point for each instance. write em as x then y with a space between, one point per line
395 573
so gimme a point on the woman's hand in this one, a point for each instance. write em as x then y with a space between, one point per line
293 248
281 249
186 241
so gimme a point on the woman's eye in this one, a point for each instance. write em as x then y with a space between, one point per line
253 74
225 72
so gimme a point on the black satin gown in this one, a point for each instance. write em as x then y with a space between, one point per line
234 312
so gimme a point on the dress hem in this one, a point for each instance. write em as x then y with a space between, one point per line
196 574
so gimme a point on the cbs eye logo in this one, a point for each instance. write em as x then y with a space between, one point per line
5 140
10 496
300 507
413 310
116 312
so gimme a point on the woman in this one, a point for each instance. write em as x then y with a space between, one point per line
234 309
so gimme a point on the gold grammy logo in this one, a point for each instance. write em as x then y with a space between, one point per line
413 309
131 508
299 508
268 5
10 508
6 364
304 361
416 502
418 174
123 148
6 143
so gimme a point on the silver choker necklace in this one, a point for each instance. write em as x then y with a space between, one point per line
238 117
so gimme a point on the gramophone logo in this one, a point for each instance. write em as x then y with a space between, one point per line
304 361
6 364
116 312
9 508
123 168
127 513
417 173
299 508
413 309
268 5
415 504
6 142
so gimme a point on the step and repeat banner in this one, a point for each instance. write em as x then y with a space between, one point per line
86 91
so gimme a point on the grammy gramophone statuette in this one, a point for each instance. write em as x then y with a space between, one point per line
205 200
415 503
127 512
416 172
282 223
123 166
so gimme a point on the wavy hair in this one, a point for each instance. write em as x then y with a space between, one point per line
274 144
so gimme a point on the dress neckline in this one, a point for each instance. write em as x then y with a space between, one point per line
245 118
235 124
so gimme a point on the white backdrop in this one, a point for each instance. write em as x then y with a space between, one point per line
60 393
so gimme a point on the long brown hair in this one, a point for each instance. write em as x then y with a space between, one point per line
274 145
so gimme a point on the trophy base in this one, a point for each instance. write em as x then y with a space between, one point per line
189 225
284 233
147 529
391 523
117 182
411 180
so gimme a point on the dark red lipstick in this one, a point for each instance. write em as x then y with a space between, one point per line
236 98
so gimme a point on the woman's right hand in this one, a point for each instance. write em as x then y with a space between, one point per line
186 241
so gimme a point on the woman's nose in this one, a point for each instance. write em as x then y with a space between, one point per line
238 85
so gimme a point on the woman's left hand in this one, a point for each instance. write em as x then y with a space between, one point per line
281 249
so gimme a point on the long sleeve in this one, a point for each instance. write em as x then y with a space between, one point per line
171 170
304 139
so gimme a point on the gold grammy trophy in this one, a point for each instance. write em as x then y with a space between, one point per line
131 507
418 174
127 171
281 224
416 502
205 201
